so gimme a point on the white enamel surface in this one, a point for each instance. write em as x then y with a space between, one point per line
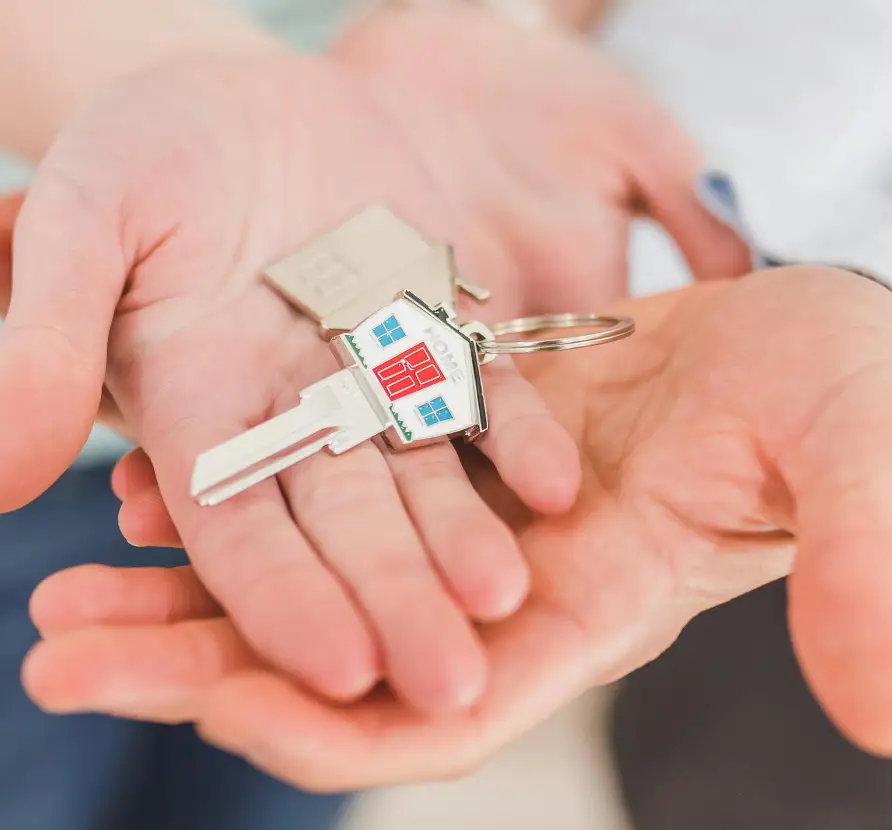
452 354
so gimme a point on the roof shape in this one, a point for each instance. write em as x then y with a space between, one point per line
347 274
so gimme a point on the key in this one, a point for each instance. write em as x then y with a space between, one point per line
411 376
345 275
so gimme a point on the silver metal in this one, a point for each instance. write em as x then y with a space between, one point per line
334 414
345 275
479 333
609 329
474 291
411 376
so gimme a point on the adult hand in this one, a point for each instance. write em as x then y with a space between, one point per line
550 140
743 421
136 259
136 262
9 211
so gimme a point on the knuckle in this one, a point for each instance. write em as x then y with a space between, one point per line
391 572
516 431
502 378
274 582
425 465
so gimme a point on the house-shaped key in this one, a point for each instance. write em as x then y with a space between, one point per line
342 276
410 375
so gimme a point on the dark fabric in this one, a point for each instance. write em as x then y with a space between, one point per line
721 733
96 773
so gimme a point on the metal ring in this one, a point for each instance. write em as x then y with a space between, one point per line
609 329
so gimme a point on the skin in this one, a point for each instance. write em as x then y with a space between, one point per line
68 50
135 270
740 435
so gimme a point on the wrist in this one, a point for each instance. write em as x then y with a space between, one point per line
54 54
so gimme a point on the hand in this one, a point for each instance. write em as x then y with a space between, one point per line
743 420
141 242
547 138
9 210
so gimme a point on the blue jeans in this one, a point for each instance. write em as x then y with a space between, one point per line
98 773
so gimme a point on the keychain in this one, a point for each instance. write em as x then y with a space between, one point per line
411 371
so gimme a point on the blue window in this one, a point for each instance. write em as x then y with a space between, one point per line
435 412
388 332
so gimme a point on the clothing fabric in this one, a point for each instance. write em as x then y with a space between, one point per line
790 97
722 733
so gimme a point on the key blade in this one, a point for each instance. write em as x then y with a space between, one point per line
209 494
271 447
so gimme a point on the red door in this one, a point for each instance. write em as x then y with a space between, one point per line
409 372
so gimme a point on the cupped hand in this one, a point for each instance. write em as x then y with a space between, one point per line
136 262
743 422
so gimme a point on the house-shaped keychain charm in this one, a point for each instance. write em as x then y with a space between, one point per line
419 367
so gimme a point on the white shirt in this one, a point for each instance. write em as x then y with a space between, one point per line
794 99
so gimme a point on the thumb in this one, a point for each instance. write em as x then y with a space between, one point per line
67 271
841 586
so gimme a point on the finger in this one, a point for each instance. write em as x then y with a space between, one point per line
538 666
69 267
351 511
203 670
145 522
132 474
9 211
474 551
840 595
535 456
665 166
143 518
573 252
253 558
98 595
152 673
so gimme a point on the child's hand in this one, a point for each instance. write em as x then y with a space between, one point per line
745 422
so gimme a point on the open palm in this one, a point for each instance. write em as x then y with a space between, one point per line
743 421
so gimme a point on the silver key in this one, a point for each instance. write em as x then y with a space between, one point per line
348 273
411 375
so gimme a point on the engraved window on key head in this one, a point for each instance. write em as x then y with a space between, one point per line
434 412
328 275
